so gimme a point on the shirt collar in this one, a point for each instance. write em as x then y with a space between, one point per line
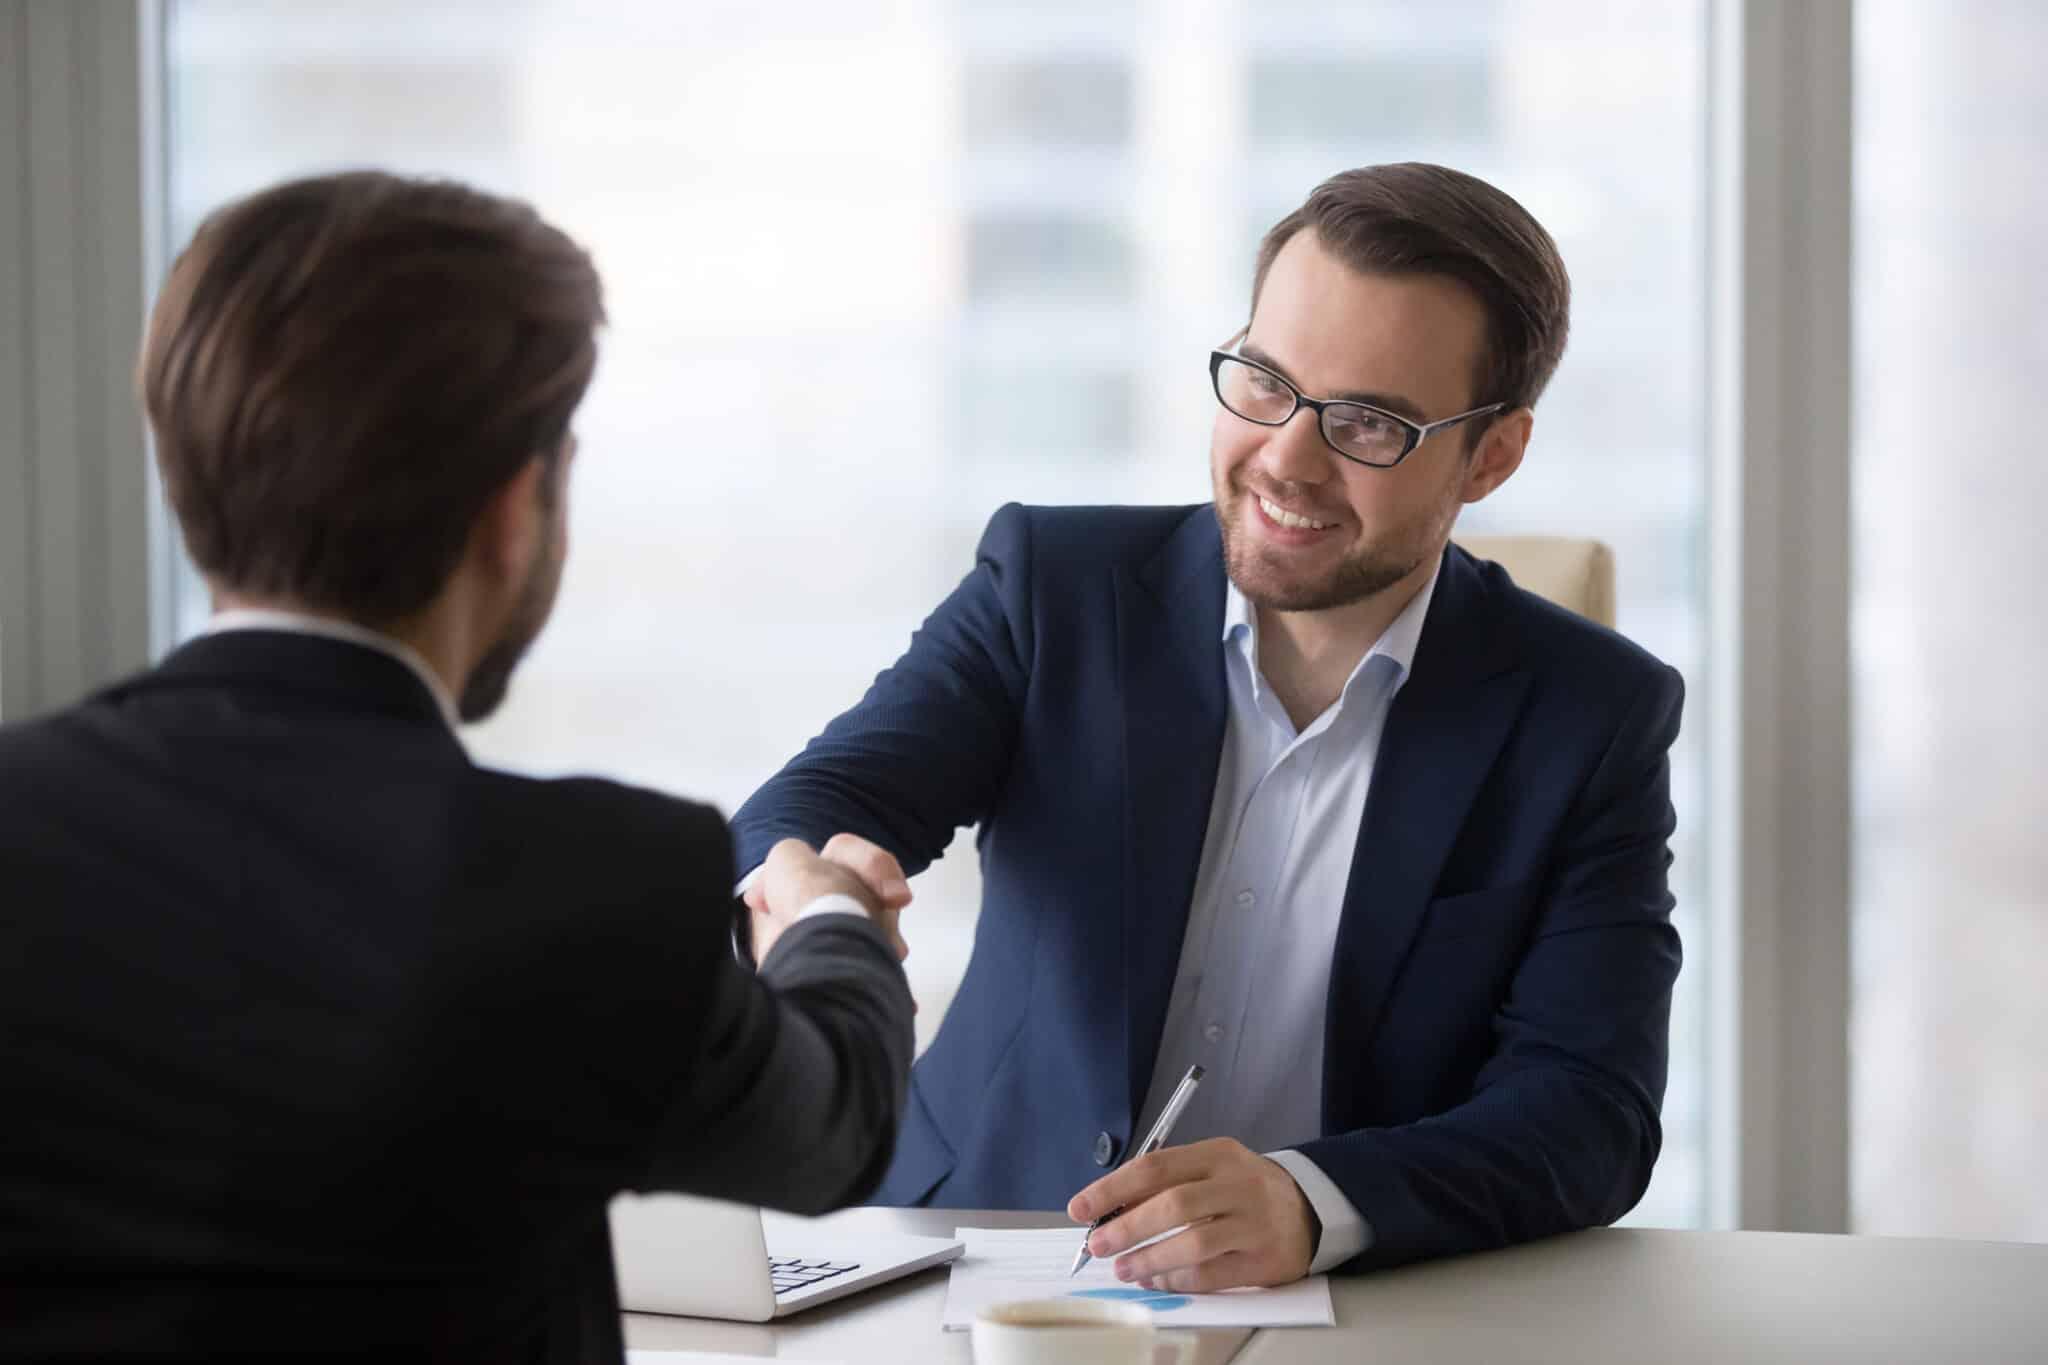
1397 642
348 632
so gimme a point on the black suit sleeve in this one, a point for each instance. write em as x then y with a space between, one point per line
639 1036
801 1074
743 933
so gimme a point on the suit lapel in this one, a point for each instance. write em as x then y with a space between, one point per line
1442 735
1170 664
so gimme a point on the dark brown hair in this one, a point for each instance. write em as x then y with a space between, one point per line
340 371
1417 219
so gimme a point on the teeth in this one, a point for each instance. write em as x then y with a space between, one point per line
1287 518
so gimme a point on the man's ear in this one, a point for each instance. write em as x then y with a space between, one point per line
1499 454
512 526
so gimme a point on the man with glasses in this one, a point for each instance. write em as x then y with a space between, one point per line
1290 788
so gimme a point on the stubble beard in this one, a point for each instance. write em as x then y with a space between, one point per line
1353 578
491 679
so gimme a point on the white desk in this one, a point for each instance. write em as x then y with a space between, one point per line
1620 1295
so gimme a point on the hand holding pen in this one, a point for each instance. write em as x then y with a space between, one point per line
1154 1140
1203 1216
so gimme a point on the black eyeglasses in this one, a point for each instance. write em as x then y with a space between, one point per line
1359 432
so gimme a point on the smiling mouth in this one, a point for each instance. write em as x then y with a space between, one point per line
1289 519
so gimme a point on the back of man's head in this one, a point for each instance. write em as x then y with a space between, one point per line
341 371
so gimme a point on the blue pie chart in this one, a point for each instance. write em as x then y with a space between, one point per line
1158 1300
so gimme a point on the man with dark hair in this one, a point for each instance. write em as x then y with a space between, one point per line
313 1034
1290 788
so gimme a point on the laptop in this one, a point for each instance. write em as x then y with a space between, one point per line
703 1258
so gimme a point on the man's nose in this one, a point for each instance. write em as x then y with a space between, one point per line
1296 452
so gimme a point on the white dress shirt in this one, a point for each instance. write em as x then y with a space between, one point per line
1253 984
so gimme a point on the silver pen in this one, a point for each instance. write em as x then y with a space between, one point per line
1154 1140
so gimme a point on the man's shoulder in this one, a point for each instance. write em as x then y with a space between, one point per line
587 872
1571 650
105 745
65 747
30 738
601 813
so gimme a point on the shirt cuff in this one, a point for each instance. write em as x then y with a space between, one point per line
1345 1231
835 904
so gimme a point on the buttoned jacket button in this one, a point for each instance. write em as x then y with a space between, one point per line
1105 1149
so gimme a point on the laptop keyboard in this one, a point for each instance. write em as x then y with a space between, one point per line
791 1273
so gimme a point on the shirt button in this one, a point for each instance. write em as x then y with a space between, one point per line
1105 1149
1213 1032
1247 899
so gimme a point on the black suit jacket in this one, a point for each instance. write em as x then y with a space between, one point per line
313 1034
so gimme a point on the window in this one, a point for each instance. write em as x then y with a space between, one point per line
1949 1025
852 250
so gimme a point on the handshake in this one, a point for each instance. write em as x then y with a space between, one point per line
796 876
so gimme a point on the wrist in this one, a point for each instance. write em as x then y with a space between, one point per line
836 884
1315 1222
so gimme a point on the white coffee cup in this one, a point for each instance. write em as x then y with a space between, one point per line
1075 1332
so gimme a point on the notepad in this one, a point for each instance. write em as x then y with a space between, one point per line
1003 1264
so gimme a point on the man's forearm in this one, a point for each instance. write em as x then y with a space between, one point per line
845 1090
801 1076
926 751
1545 1151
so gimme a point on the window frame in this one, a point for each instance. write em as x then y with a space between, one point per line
1780 233
78 529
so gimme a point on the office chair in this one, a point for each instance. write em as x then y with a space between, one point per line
1575 573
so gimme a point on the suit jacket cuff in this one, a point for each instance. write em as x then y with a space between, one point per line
1345 1231
833 926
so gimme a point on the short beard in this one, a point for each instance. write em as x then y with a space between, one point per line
491 679
1354 580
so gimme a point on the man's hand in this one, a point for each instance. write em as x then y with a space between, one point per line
878 867
1248 1222
793 876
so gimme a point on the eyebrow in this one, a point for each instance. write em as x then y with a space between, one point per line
1392 402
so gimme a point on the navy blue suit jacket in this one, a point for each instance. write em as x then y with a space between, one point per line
1496 1025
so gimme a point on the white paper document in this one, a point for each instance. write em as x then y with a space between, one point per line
1001 1265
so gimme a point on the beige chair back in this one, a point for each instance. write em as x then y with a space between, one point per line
1576 574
